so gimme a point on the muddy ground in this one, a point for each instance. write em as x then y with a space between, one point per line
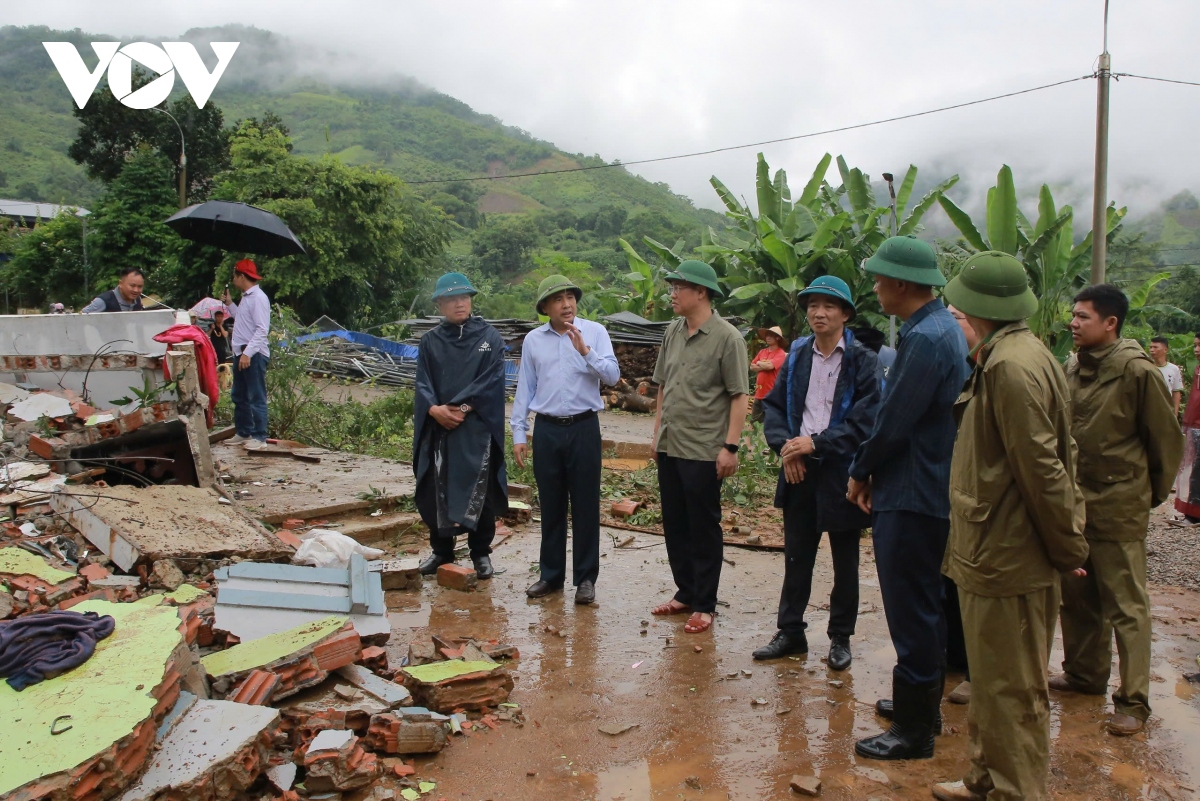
699 732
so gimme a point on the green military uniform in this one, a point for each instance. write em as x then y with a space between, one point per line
1016 523
1130 446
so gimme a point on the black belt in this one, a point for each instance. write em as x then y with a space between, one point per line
565 421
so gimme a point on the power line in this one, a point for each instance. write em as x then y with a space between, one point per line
842 129
1151 78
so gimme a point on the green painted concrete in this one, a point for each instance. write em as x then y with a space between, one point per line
265 650
439 671
19 562
106 697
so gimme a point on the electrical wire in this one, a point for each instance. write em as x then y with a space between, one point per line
1152 78
810 135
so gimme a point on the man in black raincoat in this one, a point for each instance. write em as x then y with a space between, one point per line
458 430
820 410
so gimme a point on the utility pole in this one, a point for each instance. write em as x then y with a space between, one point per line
182 159
1100 187
887 176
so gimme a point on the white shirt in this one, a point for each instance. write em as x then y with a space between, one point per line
251 323
556 380
1173 377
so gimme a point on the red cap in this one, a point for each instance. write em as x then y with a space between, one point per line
248 269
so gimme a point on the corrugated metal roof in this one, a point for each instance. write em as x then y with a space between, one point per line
27 212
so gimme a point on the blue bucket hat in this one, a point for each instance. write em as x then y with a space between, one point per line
834 287
452 284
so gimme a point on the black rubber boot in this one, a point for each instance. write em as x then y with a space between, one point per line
911 735
883 708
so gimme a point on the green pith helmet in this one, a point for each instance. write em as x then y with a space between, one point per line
906 258
696 272
834 287
992 286
452 284
552 285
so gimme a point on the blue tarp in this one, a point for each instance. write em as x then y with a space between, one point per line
397 349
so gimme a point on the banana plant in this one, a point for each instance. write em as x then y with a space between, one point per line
1056 266
766 260
644 295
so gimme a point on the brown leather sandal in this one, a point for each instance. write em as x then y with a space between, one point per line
671 607
698 625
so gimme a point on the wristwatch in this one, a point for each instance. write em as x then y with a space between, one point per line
464 408
732 447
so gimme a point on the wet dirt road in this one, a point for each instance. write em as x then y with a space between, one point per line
699 732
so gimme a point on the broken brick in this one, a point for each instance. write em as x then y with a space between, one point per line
257 688
293 523
625 508
403 770
374 659
335 769
457 577
288 538
344 648
47 447
393 735
94 595
94 572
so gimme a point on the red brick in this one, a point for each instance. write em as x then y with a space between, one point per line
625 508
343 648
257 688
374 659
92 572
95 595
457 577
46 447
288 538
293 523
403 770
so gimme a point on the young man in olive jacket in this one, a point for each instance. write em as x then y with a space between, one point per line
820 410
1130 446
1016 523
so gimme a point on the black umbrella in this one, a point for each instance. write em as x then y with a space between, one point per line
236 226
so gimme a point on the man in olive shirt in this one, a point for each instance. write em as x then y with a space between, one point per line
703 375
1016 523
1130 446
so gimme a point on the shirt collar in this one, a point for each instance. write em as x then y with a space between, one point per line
252 290
841 345
920 314
710 323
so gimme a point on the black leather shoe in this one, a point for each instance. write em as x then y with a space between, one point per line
429 566
585 593
483 567
783 644
839 653
883 708
541 588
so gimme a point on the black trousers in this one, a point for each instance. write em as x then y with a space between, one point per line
956 641
691 510
566 465
908 555
801 538
479 540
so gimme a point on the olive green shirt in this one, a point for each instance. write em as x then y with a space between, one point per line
698 376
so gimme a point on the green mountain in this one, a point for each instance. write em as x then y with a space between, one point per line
397 125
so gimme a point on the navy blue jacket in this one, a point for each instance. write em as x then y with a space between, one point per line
850 423
907 455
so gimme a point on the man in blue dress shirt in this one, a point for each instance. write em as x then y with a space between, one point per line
562 366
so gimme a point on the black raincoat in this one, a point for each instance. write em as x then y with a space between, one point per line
459 471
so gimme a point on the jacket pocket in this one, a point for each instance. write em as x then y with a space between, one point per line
968 507
1108 471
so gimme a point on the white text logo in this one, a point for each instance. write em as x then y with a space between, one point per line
165 60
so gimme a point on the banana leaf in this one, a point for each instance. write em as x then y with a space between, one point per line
1002 213
962 221
809 195
905 191
909 226
728 198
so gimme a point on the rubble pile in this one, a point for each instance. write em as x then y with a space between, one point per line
226 671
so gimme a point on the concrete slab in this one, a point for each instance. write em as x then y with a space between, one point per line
213 747
257 653
292 489
145 524
391 694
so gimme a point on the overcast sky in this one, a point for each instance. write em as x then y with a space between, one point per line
632 80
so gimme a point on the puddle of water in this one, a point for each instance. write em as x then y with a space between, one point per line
630 782
410 618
